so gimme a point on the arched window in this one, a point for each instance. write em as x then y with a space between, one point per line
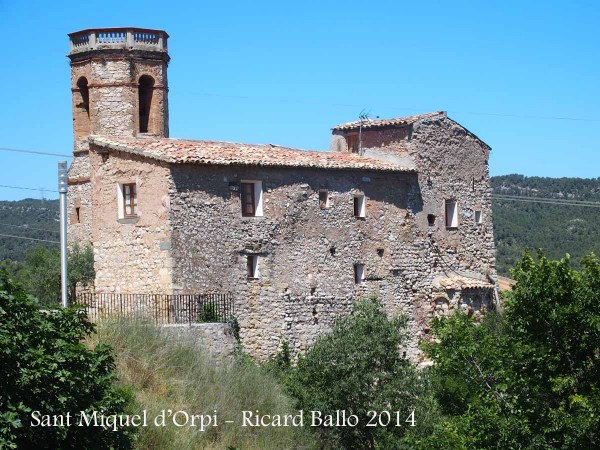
81 112
145 88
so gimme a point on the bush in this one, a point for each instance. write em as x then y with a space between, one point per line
40 274
358 368
530 378
46 367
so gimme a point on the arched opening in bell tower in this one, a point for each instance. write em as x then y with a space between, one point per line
81 112
145 91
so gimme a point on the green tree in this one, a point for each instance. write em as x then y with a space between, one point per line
358 368
45 366
529 378
41 272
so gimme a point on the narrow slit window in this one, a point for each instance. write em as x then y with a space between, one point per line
323 199
252 266
129 200
359 273
451 214
478 217
77 214
359 206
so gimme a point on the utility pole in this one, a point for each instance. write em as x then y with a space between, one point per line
363 117
62 190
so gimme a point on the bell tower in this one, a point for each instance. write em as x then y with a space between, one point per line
119 88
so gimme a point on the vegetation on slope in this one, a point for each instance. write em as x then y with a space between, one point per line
359 368
166 374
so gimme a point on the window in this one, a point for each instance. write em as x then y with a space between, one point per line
352 141
451 214
478 217
81 112
323 199
127 201
431 219
145 91
248 203
251 197
359 273
359 206
77 214
252 266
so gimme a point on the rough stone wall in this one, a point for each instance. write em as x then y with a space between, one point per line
216 340
130 255
113 111
306 254
452 164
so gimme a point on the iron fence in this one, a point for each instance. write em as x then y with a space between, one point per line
162 309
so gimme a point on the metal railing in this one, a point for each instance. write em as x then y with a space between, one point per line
118 38
162 309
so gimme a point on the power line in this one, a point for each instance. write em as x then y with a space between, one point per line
20 150
27 227
405 108
29 239
28 188
546 201
560 200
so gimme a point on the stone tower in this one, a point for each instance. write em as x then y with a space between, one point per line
119 85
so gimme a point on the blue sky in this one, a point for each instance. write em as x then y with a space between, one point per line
285 72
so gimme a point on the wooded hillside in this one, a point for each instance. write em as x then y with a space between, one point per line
31 218
558 229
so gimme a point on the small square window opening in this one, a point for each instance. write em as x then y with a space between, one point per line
478 217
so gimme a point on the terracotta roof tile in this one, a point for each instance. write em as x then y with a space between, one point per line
398 121
463 282
228 153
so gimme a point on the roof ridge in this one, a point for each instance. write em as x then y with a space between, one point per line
403 120
198 152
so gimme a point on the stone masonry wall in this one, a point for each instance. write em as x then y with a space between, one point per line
213 339
191 237
130 255
113 110
306 254
452 164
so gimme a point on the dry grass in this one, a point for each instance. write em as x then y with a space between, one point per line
166 374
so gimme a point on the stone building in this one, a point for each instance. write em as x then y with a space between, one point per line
400 208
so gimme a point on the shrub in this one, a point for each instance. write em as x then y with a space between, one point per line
358 368
529 378
47 367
